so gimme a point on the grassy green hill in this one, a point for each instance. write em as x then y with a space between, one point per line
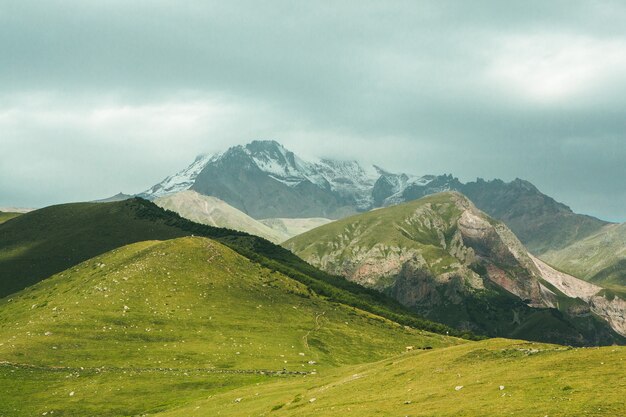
446 259
155 324
536 380
4 216
43 242
192 326
599 258
50 240
189 327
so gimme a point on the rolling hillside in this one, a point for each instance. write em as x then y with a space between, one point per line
444 258
189 309
47 241
189 327
497 377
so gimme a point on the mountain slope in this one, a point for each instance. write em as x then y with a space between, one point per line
265 180
598 258
215 212
139 294
496 377
443 257
180 181
294 227
47 241
183 306
539 221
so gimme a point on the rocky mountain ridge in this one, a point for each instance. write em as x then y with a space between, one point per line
265 180
443 257
247 177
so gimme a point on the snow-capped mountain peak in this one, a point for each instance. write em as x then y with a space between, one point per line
180 181
259 169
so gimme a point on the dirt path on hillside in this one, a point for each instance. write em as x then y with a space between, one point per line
305 338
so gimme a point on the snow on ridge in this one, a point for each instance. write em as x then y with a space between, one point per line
273 159
400 182
348 178
182 180
344 177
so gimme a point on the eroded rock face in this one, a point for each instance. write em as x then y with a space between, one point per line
501 253
613 310
416 286
367 266
418 275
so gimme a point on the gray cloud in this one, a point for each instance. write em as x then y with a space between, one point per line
119 94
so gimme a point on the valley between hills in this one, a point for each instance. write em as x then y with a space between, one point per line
258 283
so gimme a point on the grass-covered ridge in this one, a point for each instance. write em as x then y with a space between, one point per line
188 309
392 230
5 216
47 241
189 327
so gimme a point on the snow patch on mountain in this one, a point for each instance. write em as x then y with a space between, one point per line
398 183
347 178
272 158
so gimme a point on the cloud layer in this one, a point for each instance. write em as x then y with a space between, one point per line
101 97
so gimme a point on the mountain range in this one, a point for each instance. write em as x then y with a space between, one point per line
267 182
264 180
225 323
184 305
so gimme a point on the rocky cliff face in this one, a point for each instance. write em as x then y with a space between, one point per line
610 307
447 259
435 240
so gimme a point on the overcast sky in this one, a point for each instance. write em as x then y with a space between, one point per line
98 97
